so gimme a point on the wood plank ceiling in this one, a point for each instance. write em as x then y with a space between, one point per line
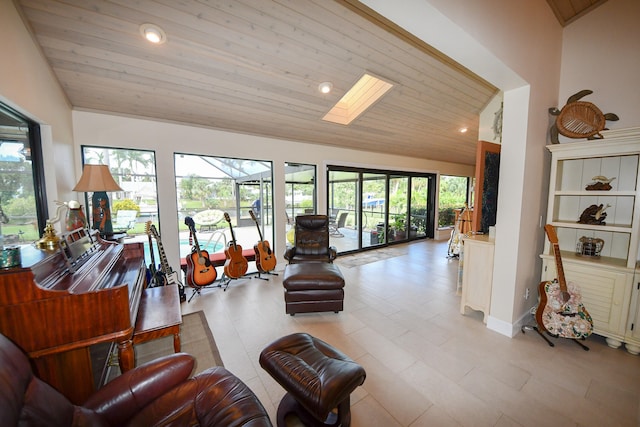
568 11
254 66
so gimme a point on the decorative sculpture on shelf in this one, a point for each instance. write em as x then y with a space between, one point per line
594 215
589 246
600 183
579 119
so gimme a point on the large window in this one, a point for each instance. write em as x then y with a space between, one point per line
134 208
300 189
372 207
453 194
208 187
23 202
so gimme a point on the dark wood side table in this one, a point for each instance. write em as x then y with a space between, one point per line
159 315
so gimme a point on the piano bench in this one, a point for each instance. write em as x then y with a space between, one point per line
159 315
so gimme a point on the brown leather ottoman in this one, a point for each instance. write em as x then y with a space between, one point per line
313 287
317 377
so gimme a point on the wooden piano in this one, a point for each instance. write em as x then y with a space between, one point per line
56 306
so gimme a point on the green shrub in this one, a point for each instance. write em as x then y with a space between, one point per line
21 206
446 217
125 204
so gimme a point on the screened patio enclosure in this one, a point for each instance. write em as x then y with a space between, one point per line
208 186
300 190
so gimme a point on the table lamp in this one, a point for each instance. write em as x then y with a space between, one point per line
98 179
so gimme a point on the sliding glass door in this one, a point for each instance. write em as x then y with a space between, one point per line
344 194
374 202
398 207
420 218
381 207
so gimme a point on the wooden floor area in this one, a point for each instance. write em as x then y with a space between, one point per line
427 365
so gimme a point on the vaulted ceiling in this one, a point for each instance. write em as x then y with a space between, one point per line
254 67
568 11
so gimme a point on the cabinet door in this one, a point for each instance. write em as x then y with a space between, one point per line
605 294
477 276
633 330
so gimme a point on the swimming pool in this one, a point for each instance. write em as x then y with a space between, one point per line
185 249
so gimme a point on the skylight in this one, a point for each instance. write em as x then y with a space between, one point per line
368 90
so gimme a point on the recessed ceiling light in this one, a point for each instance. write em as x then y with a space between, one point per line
366 92
153 33
325 87
463 130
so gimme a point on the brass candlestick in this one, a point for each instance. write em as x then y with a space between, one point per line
49 240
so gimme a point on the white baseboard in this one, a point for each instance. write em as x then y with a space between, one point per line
443 233
508 329
500 326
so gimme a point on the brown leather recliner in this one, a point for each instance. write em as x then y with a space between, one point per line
311 242
157 393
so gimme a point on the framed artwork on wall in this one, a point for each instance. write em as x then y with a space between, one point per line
486 191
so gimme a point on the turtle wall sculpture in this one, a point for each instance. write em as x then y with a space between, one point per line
579 119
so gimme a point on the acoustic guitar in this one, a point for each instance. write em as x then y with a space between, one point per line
265 259
236 264
200 271
560 311
171 277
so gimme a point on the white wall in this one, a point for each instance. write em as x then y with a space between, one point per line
521 48
167 138
601 52
28 85
517 47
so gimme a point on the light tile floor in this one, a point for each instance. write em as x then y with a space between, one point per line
427 365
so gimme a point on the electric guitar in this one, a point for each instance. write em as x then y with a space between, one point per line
560 311
170 276
236 264
265 259
155 276
200 271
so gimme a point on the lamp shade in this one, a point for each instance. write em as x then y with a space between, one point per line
96 178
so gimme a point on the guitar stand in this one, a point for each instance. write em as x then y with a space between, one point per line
535 328
196 290
193 294
225 280
258 275
544 337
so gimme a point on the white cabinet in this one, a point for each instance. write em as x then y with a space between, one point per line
633 323
605 291
477 273
606 281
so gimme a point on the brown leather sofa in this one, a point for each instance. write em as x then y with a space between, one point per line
311 242
160 392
